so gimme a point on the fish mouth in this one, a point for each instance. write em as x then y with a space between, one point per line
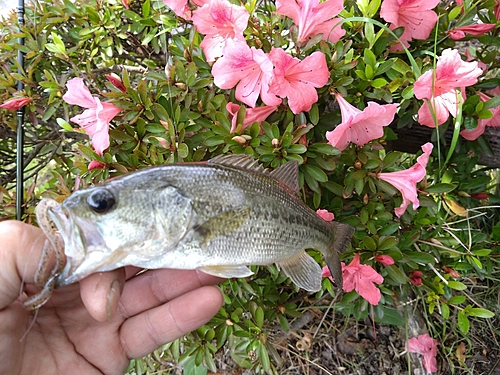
80 238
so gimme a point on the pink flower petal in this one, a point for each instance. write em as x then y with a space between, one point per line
386 260
313 18
362 278
360 127
477 29
451 72
15 103
96 118
296 79
325 215
252 115
406 180
79 94
219 20
415 16
249 69
427 347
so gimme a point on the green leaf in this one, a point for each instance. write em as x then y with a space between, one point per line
421 258
390 316
379 82
183 150
463 323
324 148
388 243
492 103
314 114
259 317
481 252
396 274
146 8
457 285
64 124
440 188
454 13
481 313
369 243
457 300
445 310
369 58
315 172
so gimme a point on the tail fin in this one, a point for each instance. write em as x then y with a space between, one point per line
341 234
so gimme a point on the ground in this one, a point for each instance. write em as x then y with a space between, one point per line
323 343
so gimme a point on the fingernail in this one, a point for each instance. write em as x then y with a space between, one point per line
113 298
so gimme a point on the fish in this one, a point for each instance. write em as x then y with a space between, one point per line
219 217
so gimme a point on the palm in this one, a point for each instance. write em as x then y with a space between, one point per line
72 333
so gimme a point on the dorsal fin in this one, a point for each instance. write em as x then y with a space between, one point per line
288 174
238 160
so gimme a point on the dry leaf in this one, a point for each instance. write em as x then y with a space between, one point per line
460 352
455 207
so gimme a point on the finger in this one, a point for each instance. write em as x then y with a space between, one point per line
19 257
147 331
101 292
155 287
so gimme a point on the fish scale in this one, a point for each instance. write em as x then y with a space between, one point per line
218 217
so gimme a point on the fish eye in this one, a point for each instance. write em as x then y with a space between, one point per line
101 201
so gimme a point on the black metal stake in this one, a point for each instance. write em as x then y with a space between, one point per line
20 123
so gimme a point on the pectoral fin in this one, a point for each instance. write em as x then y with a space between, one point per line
224 224
227 271
303 270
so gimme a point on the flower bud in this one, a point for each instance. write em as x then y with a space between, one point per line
16 103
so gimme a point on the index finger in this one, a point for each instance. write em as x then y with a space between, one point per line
20 252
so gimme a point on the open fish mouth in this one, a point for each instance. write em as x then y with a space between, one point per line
79 237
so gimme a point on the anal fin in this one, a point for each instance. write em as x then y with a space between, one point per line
227 271
303 270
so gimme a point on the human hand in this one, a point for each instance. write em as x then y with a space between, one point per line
88 328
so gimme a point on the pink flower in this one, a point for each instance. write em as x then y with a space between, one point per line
496 10
360 127
115 81
181 8
361 278
296 80
15 103
427 347
415 16
406 180
480 196
325 215
94 164
451 272
416 278
493 121
477 29
386 260
470 57
248 68
219 20
252 115
440 87
313 18
96 118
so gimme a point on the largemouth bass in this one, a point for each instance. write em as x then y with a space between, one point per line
219 217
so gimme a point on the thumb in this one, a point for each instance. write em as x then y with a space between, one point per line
20 251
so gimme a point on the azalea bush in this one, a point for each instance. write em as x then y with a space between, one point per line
112 87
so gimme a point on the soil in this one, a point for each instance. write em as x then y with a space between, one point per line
323 343
345 347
